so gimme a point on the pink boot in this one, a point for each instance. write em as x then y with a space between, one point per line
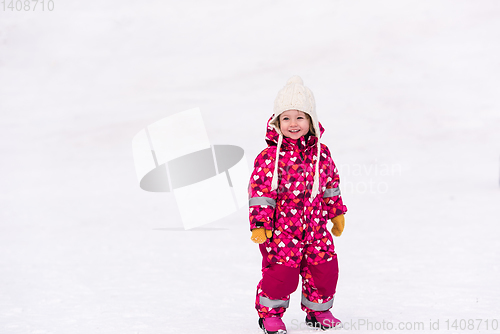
272 325
323 320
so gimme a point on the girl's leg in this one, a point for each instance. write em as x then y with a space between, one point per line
319 283
274 289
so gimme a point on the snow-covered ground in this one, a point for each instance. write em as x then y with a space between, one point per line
408 92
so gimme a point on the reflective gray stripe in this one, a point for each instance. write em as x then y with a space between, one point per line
261 201
317 306
273 303
330 192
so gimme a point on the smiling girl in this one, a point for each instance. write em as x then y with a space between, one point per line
294 191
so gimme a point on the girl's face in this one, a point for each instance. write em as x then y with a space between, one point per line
294 123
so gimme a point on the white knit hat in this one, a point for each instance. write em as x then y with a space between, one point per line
296 96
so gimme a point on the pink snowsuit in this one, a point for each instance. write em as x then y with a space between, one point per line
301 243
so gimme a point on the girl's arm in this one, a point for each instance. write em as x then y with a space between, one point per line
262 200
332 196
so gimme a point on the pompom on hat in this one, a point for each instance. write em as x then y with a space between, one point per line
296 96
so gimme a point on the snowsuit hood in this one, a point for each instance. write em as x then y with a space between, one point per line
272 136
275 137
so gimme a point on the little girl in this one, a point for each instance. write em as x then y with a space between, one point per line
294 191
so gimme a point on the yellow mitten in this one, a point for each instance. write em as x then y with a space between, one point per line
260 235
338 225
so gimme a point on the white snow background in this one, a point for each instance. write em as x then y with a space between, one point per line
409 95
